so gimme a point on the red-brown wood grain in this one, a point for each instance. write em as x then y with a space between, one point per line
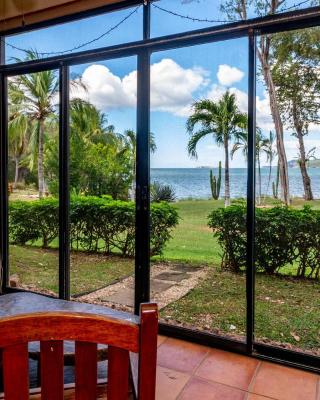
62 325
148 351
86 371
118 374
51 362
15 372
77 323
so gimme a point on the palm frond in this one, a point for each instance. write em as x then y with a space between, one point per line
194 140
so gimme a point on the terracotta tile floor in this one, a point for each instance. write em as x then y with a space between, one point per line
188 371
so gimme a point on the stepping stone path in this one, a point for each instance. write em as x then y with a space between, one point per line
169 282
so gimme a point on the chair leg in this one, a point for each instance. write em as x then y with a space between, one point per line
39 371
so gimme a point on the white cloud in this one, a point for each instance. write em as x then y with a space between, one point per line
292 147
106 90
228 75
172 87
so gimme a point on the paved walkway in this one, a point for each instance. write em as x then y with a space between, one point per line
169 282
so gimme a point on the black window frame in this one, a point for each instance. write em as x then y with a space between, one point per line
143 49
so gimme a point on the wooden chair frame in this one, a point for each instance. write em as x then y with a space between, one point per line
129 344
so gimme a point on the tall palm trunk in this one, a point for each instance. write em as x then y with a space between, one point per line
269 179
16 174
133 183
226 174
259 179
283 164
40 159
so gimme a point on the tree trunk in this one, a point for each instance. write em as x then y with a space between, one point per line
133 183
40 159
303 162
283 164
16 174
259 180
226 174
269 179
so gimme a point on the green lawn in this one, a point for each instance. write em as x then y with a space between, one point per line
38 269
287 309
192 240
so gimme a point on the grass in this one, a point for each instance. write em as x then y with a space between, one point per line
286 308
192 240
38 268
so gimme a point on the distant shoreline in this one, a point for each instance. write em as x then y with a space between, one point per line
193 182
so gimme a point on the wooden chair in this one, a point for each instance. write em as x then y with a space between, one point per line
131 345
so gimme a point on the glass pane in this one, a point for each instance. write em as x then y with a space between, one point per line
33 148
85 34
174 16
287 217
196 95
102 181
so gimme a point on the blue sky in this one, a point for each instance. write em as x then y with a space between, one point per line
178 77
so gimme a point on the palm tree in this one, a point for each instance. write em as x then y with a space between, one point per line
18 132
271 153
223 120
130 139
36 94
89 124
263 145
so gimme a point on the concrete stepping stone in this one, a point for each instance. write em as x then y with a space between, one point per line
168 283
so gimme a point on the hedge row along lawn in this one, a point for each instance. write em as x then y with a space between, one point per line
287 308
284 236
97 224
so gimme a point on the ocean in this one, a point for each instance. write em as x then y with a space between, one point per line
194 182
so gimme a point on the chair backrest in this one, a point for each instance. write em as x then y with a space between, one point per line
124 339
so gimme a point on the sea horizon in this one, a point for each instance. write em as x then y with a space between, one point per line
193 182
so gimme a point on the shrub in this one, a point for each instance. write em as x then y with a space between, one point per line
34 220
284 236
160 192
96 224
229 226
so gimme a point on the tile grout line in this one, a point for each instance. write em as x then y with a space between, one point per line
211 382
254 376
201 362
222 384
219 383
182 389
230 386
166 338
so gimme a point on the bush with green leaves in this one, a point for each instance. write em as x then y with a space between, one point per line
96 224
160 192
30 221
283 236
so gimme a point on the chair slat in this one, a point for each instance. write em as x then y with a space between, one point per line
16 372
148 351
118 374
86 371
51 360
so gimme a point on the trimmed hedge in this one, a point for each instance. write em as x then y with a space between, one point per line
284 236
96 224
